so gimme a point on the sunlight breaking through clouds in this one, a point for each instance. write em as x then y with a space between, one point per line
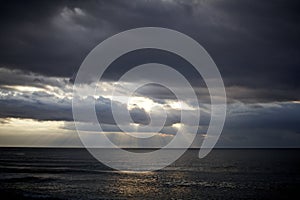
256 52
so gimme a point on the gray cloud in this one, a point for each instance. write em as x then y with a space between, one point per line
255 44
247 40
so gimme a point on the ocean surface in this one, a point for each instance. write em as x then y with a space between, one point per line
52 173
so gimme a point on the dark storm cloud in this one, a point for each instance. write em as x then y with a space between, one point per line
24 78
34 110
283 116
255 44
266 125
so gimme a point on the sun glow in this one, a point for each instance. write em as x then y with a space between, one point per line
177 125
175 105
32 125
141 102
134 124
179 105
24 88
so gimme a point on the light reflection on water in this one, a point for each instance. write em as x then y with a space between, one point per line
141 185
135 172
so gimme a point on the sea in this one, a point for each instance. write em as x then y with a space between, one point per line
72 173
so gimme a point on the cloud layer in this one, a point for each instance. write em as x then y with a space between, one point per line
255 45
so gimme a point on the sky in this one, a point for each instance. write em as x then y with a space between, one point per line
255 45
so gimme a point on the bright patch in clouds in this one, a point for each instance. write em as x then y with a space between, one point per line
179 105
141 102
23 88
177 125
22 125
28 132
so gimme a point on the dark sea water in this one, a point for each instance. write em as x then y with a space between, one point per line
49 173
